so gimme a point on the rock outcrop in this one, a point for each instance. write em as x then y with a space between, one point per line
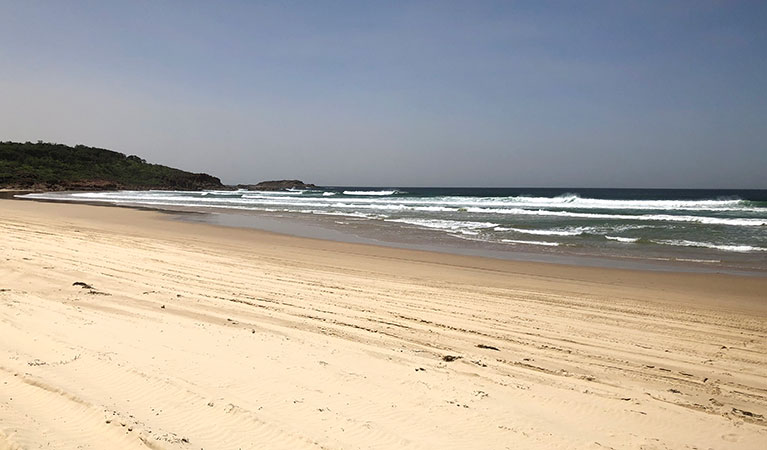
276 185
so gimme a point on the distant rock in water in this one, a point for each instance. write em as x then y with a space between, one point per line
45 166
276 185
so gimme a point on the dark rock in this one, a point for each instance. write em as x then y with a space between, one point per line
276 185
450 358
82 285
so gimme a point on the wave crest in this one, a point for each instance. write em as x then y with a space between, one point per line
543 243
727 248
374 193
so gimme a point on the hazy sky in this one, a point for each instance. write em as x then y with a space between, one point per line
529 93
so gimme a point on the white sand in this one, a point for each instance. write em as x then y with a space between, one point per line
268 341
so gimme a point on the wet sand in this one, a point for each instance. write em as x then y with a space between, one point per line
186 335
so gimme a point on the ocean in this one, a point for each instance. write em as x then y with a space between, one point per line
716 229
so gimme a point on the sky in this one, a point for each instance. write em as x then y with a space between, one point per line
660 94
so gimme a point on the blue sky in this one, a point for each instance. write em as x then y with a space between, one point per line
576 94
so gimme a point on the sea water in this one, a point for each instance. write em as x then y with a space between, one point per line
727 228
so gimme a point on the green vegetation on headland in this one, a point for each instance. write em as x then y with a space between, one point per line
47 166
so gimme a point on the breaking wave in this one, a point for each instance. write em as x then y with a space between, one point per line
622 239
569 221
727 248
543 243
568 232
373 193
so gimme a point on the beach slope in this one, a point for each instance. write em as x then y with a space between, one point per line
124 329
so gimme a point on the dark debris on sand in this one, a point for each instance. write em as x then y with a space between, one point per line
488 347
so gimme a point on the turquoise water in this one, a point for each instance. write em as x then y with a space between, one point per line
722 227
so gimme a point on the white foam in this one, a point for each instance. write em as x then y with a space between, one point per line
728 248
442 204
571 201
569 232
370 192
698 260
620 228
334 213
449 225
649 217
484 205
375 205
275 193
562 202
622 239
544 243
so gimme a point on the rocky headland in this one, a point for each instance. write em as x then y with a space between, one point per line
44 166
277 185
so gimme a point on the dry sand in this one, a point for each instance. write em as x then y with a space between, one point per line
194 336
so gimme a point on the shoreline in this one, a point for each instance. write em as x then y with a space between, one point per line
311 227
197 335
321 227
667 279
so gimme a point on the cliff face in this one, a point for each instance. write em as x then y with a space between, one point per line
46 166
276 185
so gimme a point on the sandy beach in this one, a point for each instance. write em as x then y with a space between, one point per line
121 328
